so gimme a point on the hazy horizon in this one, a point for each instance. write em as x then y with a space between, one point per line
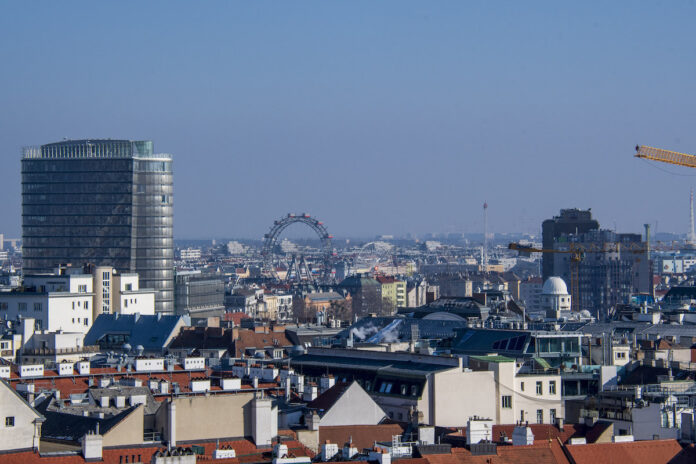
375 117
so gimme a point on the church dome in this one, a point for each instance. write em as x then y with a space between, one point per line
554 286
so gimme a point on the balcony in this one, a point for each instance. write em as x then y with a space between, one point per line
59 351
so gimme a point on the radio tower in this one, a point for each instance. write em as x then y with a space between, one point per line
484 259
691 239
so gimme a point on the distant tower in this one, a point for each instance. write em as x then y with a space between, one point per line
484 259
691 239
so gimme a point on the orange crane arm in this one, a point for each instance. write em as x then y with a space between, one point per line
527 249
665 156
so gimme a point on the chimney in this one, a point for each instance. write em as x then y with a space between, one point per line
326 382
310 393
379 455
255 382
478 430
522 435
288 391
171 413
328 450
559 423
312 421
92 444
262 421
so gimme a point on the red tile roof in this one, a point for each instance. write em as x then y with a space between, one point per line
364 436
382 279
650 451
235 317
251 339
245 449
542 432
546 452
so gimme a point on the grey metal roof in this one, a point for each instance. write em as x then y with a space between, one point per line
152 332
73 427
638 328
393 366
427 328
483 341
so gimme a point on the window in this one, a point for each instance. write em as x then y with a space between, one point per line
82 288
37 307
22 306
540 416
86 321
539 388
552 416
521 415
552 387
86 304
506 402
522 386
3 306
9 421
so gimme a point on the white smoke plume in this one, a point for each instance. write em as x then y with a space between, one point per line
363 333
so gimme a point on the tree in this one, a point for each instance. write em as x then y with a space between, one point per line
341 310
300 310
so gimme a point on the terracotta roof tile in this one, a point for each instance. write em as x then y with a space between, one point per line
364 436
649 451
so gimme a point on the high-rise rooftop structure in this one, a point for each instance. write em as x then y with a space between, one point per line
570 221
607 278
100 202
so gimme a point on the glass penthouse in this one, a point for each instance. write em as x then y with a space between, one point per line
101 202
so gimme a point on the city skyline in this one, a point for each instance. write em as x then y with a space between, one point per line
461 104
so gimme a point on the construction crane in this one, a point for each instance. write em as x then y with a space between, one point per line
665 156
577 254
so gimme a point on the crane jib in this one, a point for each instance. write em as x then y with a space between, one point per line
666 156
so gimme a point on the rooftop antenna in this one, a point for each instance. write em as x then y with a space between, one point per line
691 239
484 260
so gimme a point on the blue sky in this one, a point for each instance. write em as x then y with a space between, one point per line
376 117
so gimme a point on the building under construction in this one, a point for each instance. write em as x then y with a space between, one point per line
607 277
570 221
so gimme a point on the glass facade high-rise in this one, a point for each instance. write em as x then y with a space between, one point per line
100 202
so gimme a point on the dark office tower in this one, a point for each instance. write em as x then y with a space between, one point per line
101 202
571 221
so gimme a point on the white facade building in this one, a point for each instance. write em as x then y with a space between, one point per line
120 293
190 254
69 301
530 294
55 302
20 424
